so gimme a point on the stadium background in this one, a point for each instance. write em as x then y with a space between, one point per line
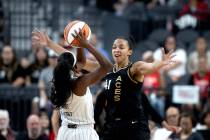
149 23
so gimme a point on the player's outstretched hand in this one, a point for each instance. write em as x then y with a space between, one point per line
40 38
168 59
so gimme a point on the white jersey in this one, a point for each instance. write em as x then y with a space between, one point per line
79 109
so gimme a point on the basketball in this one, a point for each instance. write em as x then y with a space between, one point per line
73 26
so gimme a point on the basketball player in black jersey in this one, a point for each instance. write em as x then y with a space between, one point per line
125 118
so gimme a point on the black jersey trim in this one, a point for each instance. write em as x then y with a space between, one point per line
128 72
114 68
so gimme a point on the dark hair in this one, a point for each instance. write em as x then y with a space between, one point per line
62 80
189 115
14 61
203 116
131 41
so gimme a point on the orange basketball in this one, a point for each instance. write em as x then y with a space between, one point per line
73 26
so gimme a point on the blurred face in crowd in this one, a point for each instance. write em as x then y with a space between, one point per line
207 120
186 124
52 61
121 51
148 57
172 116
7 55
44 120
201 45
4 120
170 43
41 54
34 126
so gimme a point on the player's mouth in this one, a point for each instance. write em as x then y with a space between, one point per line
116 55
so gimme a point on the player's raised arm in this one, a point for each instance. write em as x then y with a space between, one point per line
42 39
141 68
100 72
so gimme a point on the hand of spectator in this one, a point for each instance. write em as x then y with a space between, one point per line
40 38
174 129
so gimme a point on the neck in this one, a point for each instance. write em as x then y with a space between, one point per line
121 65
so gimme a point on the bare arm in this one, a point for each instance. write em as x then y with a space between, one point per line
55 121
140 68
18 82
96 75
42 39
81 60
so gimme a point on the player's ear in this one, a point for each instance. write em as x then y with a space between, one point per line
130 52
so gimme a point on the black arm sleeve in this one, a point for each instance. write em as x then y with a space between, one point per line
150 111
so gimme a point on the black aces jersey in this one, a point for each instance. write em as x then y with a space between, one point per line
123 96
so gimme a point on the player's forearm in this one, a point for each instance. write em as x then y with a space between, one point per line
91 65
147 68
104 63
81 60
55 47
55 122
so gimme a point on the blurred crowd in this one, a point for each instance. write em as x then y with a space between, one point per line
192 67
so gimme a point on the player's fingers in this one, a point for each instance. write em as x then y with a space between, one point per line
74 35
162 50
172 56
35 38
171 51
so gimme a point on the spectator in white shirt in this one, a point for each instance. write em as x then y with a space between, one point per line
178 68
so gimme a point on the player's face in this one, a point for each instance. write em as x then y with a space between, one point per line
121 51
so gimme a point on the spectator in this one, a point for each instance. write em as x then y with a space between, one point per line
39 64
152 84
172 117
206 120
179 67
46 125
11 71
202 79
6 133
44 84
33 130
187 122
201 51
196 8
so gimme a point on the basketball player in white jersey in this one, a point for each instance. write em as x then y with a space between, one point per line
72 96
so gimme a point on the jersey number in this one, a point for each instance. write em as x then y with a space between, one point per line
108 82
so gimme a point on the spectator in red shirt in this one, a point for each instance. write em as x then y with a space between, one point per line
202 79
152 84
153 81
196 8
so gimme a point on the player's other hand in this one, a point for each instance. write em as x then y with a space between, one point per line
40 38
83 42
168 61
